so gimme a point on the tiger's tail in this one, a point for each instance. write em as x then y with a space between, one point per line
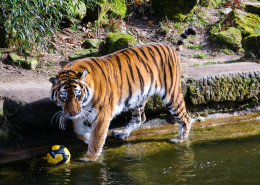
184 35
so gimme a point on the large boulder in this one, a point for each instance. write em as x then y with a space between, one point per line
227 31
176 10
118 41
251 45
252 7
231 38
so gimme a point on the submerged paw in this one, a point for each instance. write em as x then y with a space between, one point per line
119 134
175 140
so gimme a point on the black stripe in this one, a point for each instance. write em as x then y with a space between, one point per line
152 79
183 36
99 66
130 93
140 58
129 65
82 67
70 64
187 31
179 42
141 81
120 77
153 57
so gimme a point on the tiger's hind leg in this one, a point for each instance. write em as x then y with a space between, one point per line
178 110
138 117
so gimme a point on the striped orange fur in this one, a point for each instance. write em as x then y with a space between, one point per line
92 91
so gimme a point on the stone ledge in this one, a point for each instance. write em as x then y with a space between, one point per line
221 83
201 85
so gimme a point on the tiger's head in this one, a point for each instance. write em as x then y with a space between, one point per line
72 91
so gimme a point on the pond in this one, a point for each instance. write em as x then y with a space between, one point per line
224 154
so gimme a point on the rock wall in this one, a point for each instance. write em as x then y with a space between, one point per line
237 86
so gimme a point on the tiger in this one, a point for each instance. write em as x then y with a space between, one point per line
92 91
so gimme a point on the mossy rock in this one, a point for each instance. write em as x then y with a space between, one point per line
83 53
248 24
251 44
155 106
118 41
252 7
231 38
21 61
174 10
91 43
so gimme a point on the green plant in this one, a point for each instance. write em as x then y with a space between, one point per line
201 55
29 22
195 47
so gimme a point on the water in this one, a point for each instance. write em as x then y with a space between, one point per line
206 158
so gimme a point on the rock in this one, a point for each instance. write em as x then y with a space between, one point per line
19 61
246 23
91 43
251 45
118 41
200 118
82 53
231 38
174 10
252 7
226 11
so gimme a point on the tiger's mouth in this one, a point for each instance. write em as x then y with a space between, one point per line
73 115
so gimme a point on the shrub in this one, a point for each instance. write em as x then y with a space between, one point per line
29 22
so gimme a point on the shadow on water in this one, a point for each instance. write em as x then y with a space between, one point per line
148 161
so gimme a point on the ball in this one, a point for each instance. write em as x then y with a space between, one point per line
58 154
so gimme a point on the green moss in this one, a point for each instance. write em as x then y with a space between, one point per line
118 41
82 53
155 105
20 61
215 3
91 43
251 45
174 10
243 25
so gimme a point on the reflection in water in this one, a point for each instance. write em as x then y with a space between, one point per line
154 161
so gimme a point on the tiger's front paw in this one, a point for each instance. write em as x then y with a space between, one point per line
86 158
119 134
175 140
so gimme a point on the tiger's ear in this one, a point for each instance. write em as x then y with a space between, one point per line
54 80
82 75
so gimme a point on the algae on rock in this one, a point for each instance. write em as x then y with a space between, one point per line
118 41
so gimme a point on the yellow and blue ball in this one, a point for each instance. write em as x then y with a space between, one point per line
58 154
